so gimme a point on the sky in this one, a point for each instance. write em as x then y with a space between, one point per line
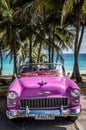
83 46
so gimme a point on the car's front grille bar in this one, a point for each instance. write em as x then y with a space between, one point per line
36 103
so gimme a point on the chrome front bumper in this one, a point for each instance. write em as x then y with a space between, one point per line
32 113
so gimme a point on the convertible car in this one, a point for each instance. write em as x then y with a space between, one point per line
43 91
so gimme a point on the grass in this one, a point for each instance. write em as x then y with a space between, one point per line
83 74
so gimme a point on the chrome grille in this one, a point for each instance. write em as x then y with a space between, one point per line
43 103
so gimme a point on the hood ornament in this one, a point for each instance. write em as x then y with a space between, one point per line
42 83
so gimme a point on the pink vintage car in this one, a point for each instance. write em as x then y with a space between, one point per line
43 91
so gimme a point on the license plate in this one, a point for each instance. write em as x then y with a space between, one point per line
44 117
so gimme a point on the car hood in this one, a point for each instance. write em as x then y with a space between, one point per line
40 86
43 81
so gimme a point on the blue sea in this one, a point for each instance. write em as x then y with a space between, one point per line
68 63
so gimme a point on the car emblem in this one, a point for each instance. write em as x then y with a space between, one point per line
45 92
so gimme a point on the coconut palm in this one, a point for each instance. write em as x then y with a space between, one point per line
77 9
43 15
36 20
4 9
78 41
11 36
48 22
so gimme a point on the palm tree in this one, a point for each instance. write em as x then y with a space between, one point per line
13 20
33 19
78 41
77 10
42 14
4 9
42 10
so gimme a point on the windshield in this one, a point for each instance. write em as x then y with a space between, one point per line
41 67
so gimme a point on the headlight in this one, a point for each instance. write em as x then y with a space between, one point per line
12 95
75 93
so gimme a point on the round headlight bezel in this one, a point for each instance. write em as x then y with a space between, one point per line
12 95
75 93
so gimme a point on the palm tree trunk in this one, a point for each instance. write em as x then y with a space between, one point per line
57 57
15 59
53 43
49 55
39 52
30 48
1 61
81 37
49 47
76 73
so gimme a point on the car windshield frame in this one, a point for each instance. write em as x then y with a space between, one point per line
41 67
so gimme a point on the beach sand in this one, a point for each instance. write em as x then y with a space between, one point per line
81 72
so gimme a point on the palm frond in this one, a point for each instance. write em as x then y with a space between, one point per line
7 10
67 8
84 7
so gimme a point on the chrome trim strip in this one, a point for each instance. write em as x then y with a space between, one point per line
32 113
45 97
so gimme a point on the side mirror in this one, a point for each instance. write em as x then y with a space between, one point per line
68 73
